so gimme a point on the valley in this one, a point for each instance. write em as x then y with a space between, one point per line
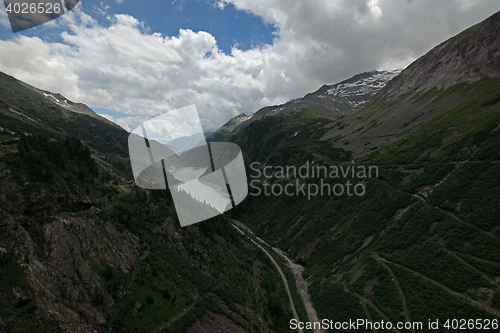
297 271
418 244
82 249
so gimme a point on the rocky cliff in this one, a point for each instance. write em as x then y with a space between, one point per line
468 57
58 256
329 101
454 83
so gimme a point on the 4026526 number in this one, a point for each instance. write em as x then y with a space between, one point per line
471 324
33 8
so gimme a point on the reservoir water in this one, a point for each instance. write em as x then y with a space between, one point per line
198 190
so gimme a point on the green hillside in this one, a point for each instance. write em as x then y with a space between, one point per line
26 111
423 242
393 210
106 256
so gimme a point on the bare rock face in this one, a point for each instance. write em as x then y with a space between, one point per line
468 57
61 258
58 268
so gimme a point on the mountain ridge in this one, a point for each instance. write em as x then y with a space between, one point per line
423 241
427 90
62 101
467 57
80 251
332 101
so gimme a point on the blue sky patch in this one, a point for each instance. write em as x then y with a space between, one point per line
229 26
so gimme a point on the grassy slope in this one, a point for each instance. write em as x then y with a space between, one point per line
444 250
178 280
183 275
104 137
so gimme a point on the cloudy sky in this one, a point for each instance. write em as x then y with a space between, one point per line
133 60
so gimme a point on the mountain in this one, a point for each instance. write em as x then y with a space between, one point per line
385 199
83 250
468 57
186 142
64 102
27 109
360 89
222 133
442 84
328 101
420 239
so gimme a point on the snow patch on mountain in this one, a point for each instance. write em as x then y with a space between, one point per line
366 85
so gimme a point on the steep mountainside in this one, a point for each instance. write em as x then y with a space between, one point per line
330 101
423 240
65 103
468 57
83 251
28 109
443 84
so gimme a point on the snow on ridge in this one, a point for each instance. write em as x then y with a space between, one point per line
368 85
244 118
50 96
276 110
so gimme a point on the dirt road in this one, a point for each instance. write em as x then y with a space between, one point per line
292 305
297 271
302 286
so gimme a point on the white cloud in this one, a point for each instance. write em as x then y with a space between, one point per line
126 68
332 39
129 123
220 4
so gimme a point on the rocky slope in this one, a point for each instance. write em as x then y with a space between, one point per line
58 269
437 83
468 57
55 255
423 241
329 101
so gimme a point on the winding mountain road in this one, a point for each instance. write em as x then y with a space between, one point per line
296 270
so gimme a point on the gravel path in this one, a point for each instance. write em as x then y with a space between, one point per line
297 271
292 305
